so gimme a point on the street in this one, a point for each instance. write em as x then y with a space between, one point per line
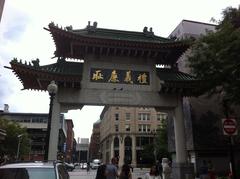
83 174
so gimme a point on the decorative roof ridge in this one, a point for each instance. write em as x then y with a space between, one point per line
180 74
34 64
92 29
56 67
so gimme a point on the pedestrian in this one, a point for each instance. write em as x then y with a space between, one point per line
101 172
111 170
88 166
211 171
203 171
159 167
153 174
166 169
125 172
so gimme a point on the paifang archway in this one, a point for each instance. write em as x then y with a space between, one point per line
112 67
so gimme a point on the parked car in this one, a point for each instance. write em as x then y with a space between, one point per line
34 170
84 166
95 163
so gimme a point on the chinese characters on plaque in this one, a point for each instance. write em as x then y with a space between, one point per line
119 76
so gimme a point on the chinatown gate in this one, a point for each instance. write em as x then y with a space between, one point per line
97 66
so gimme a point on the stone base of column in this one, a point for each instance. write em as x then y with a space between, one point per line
183 170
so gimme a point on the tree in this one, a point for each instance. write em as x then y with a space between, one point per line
10 145
215 58
161 141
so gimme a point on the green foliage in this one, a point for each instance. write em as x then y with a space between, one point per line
215 58
207 134
148 153
10 144
161 142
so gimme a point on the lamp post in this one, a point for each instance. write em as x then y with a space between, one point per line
154 145
52 90
18 148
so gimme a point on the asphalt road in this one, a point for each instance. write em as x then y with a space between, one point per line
83 174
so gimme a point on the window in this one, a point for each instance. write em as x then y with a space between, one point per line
143 116
116 116
161 116
116 128
128 116
127 127
144 128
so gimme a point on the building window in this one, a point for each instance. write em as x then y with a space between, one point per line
144 128
161 116
116 116
116 128
128 116
143 116
127 127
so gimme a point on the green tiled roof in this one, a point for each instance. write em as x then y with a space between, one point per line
60 67
121 35
64 67
92 31
171 75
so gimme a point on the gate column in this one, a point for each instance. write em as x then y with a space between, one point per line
53 141
181 169
112 148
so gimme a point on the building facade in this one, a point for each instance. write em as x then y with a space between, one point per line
94 147
125 131
82 150
203 114
36 124
69 141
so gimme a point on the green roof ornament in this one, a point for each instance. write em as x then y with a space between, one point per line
93 27
35 62
148 33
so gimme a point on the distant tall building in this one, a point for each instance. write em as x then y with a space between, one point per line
1 8
69 141
82 150
94 147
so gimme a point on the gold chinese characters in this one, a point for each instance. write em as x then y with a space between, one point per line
119 76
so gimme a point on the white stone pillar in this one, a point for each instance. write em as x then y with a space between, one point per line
112 148
121 150
134 162
179 129
53 140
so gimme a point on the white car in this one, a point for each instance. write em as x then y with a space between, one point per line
95 163
34 170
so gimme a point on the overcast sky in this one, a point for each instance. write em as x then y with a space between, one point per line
22 36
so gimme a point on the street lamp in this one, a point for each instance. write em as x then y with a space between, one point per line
18 148
154 145
52 90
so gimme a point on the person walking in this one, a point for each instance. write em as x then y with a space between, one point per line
203 171
101 172
159 168
111 170
153 174
166 169
125 172
88 166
